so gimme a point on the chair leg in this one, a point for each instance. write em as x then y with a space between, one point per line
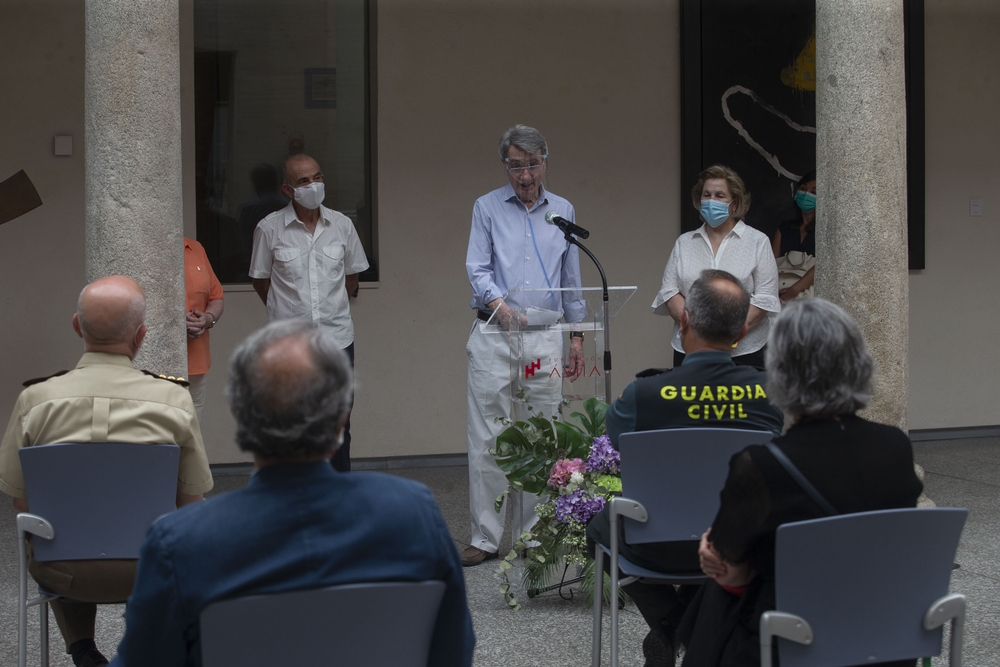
957 639
43 621
22 601
22 632
595 651
614 603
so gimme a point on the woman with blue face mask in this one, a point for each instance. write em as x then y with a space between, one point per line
798 235
723 242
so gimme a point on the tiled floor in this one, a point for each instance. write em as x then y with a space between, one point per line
549 631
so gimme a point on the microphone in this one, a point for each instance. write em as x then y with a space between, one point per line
568 227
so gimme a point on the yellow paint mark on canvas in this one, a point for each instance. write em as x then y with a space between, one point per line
801 74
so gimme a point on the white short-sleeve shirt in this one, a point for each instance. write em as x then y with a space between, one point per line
745 253
308 271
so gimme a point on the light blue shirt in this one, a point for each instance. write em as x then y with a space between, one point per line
512 247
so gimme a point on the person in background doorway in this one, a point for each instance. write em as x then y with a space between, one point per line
795 241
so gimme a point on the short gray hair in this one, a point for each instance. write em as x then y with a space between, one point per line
817 362
717 315
289 417
528 139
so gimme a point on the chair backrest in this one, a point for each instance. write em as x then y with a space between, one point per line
100 497
677 474
372 624
864 582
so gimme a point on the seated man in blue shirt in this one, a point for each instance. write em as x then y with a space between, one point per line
298 524
707 390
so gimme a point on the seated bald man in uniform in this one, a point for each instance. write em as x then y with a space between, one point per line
104 399
707 390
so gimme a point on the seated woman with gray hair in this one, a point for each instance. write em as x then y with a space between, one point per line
820 372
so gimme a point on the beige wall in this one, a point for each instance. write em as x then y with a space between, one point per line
955 302
601 80
452 77
41 253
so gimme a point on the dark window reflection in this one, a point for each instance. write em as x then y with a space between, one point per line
275 78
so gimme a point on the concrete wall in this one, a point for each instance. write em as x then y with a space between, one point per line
601 80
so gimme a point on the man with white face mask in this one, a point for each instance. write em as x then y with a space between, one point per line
305 264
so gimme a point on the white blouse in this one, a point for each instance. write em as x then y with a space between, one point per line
745 253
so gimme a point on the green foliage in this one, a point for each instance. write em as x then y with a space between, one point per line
526 451
587 585
593 421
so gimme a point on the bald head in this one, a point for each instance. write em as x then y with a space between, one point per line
716 308
285 370
110 314
290 386
301 170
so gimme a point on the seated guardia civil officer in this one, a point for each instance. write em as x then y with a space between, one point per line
104 399
298 524
707 390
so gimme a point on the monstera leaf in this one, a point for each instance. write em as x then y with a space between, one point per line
527 450
593 421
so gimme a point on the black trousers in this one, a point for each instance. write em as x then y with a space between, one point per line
660 605
341 459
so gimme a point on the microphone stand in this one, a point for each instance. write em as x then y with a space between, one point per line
532 592
607 317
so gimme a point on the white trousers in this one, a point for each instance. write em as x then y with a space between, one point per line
197 385
490 382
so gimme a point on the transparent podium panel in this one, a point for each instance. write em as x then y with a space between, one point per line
538 335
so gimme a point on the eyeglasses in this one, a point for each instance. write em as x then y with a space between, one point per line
516 167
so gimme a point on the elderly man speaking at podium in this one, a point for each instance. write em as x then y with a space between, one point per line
512 249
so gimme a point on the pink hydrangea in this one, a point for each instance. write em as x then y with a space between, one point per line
563 470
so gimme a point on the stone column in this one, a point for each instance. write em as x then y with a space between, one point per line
133 164
861 184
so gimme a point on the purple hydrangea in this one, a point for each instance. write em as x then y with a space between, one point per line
578 505
603 457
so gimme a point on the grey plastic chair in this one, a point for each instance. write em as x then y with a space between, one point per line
673 478
862 588
88 501
372 624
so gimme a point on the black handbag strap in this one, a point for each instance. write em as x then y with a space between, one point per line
801 480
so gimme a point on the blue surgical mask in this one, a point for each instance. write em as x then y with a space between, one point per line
714 212
805 200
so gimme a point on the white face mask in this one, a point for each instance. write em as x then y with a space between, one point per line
310 196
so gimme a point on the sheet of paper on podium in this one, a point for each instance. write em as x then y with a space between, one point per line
540 344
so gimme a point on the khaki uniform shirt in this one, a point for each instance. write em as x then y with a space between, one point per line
105 399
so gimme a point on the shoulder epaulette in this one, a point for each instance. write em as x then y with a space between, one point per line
28 383
650 372
160 376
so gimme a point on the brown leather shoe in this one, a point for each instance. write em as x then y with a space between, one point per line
474 556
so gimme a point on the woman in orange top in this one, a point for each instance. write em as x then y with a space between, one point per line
204 308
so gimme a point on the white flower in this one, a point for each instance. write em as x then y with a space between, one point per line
576 478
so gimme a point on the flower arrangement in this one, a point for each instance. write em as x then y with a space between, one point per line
575 470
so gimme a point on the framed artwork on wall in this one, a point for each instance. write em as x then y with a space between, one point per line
749 102
321 87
